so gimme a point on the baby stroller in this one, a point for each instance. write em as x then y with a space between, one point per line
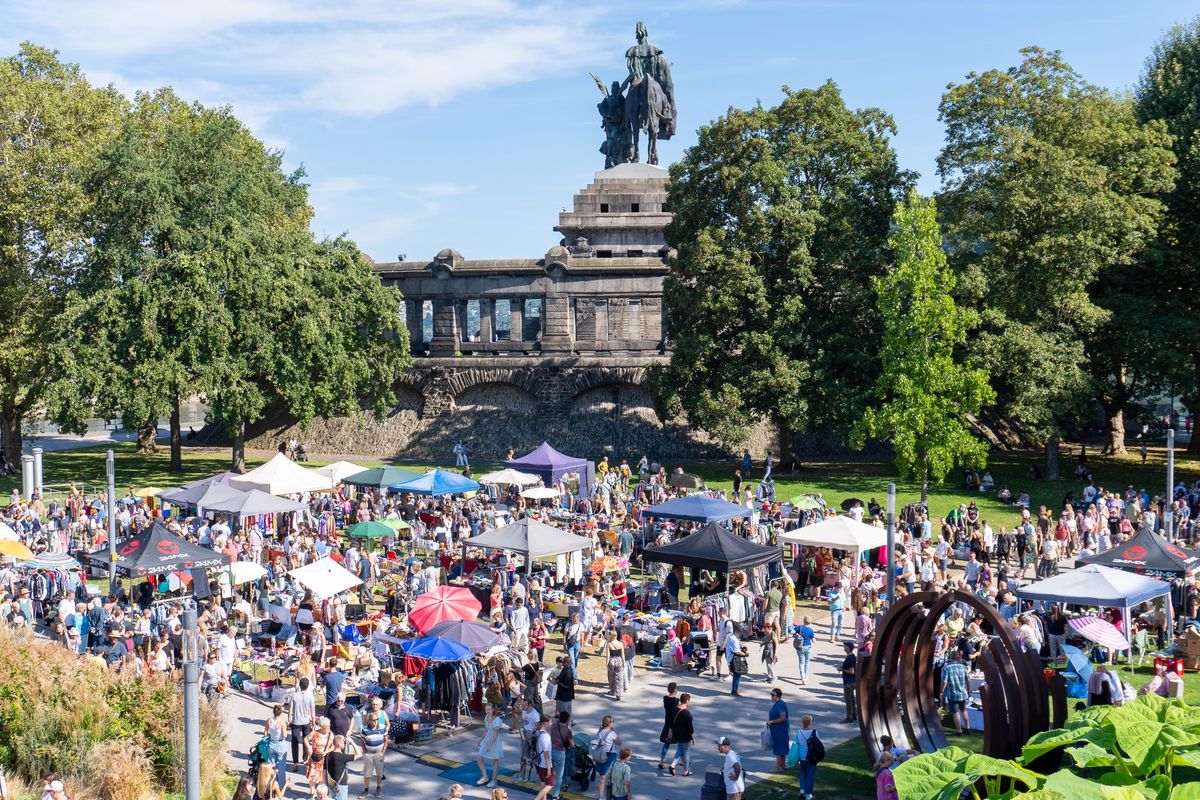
579 764
700 653
259 754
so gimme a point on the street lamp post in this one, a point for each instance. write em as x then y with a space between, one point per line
110 469
191 705
891 544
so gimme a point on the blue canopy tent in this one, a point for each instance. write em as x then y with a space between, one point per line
697 508
437 482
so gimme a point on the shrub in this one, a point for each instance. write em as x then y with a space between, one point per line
108 736
1129 751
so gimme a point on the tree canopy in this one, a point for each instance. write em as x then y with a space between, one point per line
781 221
926 391
204 279
52 123
1169 93
1049 184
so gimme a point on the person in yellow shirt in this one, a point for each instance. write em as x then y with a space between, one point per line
602 467
955 625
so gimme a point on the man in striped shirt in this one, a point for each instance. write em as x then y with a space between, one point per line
954 692
374 737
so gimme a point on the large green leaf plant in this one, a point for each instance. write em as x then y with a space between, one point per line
1129 752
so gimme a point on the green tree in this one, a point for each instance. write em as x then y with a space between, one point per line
52 122
1049 183
205 280
1169 92
926 391
781 221
334 345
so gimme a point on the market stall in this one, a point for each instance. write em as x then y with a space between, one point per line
1096 585
338 471
156 551
697 508
714 548
552 466
436 482
325 578
1148 553
281 476
534 539
839 533
379 477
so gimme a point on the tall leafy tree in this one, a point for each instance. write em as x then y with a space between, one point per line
927 392
334 345
52 122
1169 92
205 280
1049 183
781 221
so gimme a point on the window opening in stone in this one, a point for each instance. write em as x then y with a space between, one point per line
532 322
604 254
427 321
472 320
635 207
604 208
503 320
635 253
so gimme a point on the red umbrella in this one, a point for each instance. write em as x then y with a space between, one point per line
444 603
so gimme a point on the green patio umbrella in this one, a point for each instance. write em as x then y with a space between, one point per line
369 530
395 524
805 502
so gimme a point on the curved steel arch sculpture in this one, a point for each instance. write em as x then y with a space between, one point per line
895 684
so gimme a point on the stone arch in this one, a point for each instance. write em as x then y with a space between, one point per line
408 399
462 380
496 396
595 377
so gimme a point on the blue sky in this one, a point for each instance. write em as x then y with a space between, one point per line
470 124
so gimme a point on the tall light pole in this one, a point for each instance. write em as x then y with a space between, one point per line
1168 514
891 544
191 705
111 469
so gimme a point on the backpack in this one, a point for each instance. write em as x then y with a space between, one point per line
798 642
599 751
816 749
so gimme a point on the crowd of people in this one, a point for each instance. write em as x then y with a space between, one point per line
138 628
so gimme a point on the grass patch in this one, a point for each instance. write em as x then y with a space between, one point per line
844 774
834 480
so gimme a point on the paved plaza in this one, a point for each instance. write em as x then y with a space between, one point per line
415 770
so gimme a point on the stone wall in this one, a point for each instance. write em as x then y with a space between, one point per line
586 410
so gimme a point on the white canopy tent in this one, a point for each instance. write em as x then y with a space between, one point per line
325 578
510 477
7 533
540 493
838 533
254 502
1098 585
339 470
281 475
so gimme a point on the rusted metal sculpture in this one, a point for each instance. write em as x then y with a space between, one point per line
896 683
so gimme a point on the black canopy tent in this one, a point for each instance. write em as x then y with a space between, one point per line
714 548
157 551
1147 553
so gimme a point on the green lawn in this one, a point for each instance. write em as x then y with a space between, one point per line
836 480
845 774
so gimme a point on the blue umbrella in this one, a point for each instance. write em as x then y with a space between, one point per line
475 635
437 649
1078 662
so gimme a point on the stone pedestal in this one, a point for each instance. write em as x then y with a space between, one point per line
556 324
516 320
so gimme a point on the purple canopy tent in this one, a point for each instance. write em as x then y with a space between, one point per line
551 465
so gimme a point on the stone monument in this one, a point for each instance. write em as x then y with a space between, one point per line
647 105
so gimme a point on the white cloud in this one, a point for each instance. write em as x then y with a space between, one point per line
444 189
357 58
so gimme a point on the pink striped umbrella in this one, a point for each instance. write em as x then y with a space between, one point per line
1101 632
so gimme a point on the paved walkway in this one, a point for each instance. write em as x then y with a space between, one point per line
639 719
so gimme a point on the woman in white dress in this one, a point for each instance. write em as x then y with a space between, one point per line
491 745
